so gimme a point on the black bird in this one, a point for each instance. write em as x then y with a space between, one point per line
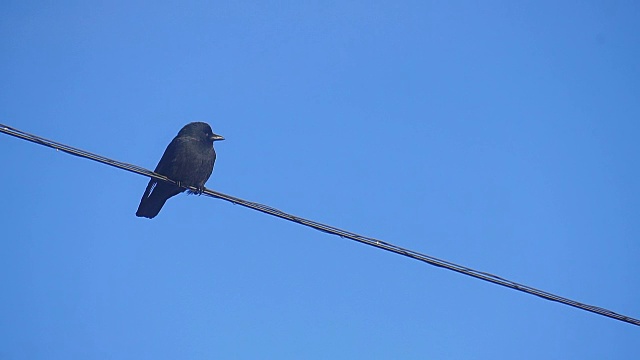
188 160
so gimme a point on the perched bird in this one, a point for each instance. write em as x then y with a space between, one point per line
188 160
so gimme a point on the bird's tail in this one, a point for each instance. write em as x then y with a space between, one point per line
150 207
154 198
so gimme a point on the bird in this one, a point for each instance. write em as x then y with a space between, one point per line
188 160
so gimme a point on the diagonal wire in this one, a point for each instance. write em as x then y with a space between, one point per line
325 228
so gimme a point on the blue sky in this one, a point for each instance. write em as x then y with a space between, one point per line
501 135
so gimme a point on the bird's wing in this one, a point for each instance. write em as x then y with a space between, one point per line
150 186
167 164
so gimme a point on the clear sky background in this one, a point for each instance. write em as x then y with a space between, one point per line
501 135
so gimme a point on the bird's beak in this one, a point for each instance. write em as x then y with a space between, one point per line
216 137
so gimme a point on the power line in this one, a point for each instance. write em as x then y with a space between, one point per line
325 228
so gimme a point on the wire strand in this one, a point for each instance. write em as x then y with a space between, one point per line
324 228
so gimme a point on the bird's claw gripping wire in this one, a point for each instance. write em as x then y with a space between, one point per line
199 190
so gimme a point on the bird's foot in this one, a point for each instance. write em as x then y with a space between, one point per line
199 191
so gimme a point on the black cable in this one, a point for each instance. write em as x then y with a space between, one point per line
325 228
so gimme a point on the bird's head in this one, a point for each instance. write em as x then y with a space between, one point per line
200 130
